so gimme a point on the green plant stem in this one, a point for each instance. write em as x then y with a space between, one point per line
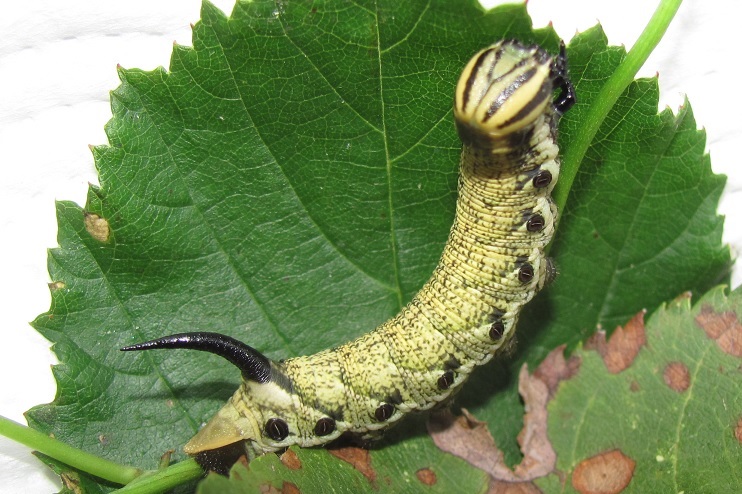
609 94
74 457
162 480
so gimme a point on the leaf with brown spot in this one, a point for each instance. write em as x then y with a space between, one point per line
606 473
359 458
97 227
352 470
724 327
674 413
426 476
623 346
677 376
290 459
289 488
56 285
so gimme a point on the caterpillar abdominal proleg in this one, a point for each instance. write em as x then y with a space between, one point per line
493 263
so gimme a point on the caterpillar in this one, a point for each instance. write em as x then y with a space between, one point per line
493 263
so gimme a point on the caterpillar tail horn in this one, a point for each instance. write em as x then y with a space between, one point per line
228 425
254 365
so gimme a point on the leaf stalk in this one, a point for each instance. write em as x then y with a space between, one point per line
609 94
74 457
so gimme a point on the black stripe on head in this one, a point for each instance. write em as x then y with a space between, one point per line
543 94
508 92
473 75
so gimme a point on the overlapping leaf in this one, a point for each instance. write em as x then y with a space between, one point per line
675 411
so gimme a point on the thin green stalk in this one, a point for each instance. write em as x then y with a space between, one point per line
136 480
76 458
609 94
163 480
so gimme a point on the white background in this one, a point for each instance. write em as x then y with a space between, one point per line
58 62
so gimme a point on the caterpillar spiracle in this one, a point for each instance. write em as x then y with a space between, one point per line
493 263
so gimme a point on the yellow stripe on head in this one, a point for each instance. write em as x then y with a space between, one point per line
503 89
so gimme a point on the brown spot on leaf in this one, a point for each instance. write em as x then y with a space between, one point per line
289 488
290 460
555 369
56 285
268 489
738 430
359 458
243 460
676 376
426 476
470 439
623 346
97 227
71 481
606 473
724 328
634 386
499 487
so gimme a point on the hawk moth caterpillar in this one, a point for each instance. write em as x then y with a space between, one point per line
493 263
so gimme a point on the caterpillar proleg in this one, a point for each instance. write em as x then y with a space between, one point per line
493 263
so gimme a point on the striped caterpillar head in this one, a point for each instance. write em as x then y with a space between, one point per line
506 88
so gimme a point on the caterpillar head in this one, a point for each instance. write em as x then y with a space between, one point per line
506 88
233 423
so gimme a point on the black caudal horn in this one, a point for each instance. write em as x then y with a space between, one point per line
254 365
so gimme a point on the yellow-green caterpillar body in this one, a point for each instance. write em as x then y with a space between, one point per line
493 263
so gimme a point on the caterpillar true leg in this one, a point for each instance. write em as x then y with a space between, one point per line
493 263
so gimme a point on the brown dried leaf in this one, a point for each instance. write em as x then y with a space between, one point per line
555 369
499 487
621 349
470 439
539 457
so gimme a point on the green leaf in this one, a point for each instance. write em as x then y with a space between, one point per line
290 182
675 411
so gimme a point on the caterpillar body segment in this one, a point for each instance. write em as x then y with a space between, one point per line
493 263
